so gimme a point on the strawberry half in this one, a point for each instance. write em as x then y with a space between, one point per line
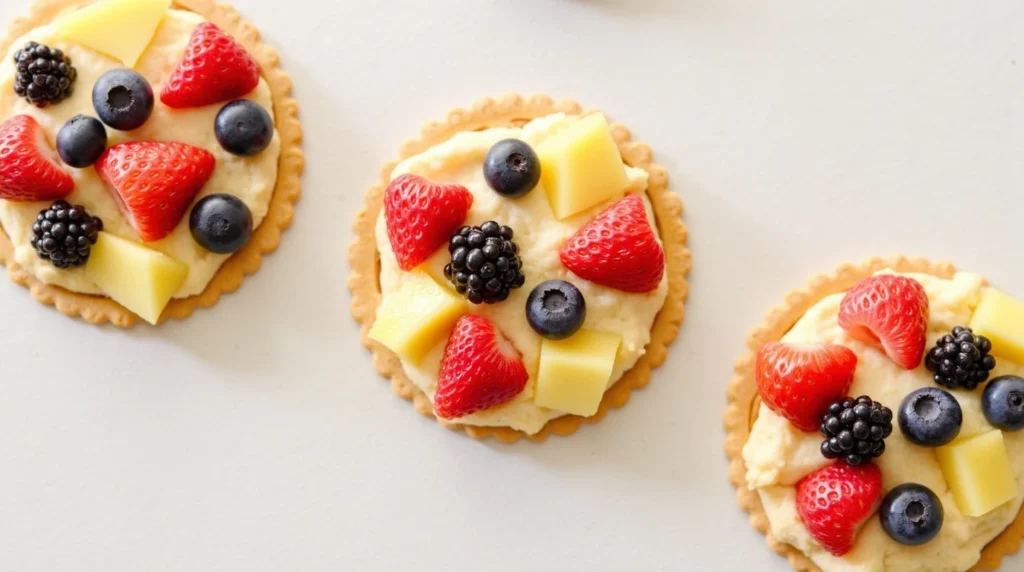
834 503
799 382
888 312
215 68
480 370
618 249
28 166
421 217
154 182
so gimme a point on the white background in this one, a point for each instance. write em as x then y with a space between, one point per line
256 436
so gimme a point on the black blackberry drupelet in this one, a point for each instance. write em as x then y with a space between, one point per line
45 75
960 360
855 430
64 234
485 265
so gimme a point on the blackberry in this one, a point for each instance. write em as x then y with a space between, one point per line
485 264
960 360
64 234
855 430
45 75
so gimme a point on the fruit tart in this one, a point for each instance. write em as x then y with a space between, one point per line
520 269
149 155
877 422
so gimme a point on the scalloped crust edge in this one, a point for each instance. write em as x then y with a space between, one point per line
265 239
510 110
743 401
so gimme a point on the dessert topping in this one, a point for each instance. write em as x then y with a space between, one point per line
221 223
123 99
512 168
978 472
1002 403
120 29
416 318
244 128
28 167
574 373
855 430
888 312
215 68
960 360
556 309
64 234
81 141
485 264
1000 318
44 75
911 514
799 382
834 502
930 417
421 217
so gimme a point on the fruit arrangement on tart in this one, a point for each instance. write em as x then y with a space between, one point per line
138 152
522 267
878 424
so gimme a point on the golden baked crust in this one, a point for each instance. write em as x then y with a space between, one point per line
744 402
265 239
502 112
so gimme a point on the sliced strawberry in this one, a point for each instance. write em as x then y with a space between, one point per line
480 370
154 182
618 249
891 313
29 170
834 503
421 217
215 68
799 382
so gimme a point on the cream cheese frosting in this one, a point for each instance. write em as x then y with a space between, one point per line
778 455
539 236
251 179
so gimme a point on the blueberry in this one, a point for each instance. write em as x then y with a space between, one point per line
930 417
1002 402
512 168
220 223
244 128
123 99
556 309
81 141
911 514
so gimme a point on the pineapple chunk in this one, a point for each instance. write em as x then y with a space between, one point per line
120 29
1000 318
977 470
581 167
574 373
419 316
136 277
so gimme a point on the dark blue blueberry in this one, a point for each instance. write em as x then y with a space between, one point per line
930 417
1002 402
81 141
512 168
244 128
221 223
911 514
556 309
123 99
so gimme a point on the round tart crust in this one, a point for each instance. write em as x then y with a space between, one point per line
744 400
265 239
515 110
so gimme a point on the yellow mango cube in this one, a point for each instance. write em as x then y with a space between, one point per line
136 277
121 29
581 167
420 315
574 373
977 470
1000 318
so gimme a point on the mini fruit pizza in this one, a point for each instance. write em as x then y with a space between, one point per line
877 423
521 269
149 155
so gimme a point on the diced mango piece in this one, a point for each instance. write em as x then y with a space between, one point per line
411 321
977 470
581 167
120 29
574 373
136 277
1000 318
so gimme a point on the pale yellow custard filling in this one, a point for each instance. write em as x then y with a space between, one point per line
778 455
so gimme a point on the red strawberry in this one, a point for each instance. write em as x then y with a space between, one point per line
28 167
618 249
155 182
215 68
835 501
480 369
891 313
799 382
422 216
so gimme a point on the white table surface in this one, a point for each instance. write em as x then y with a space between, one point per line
256 436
